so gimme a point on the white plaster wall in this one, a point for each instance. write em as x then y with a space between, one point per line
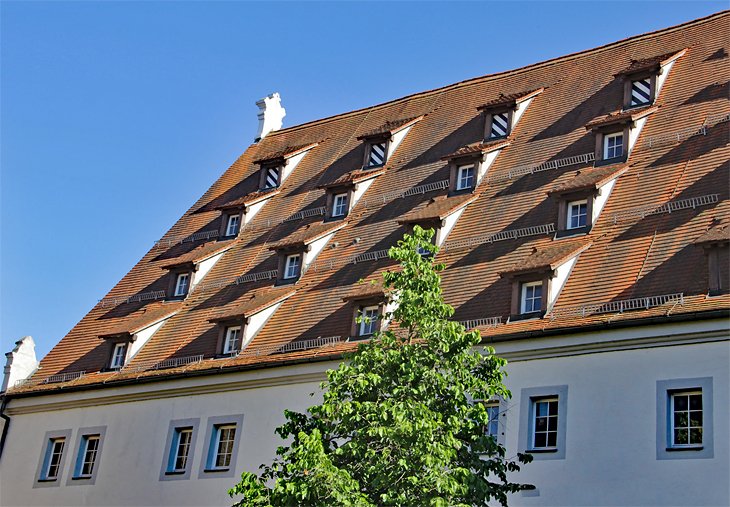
396 139
558 282
314 248
360 190
634 132
521 108
204 267
251 210
256 322
449 223
610 437
143 337
291 164
662 77
601 199
484 165
20 363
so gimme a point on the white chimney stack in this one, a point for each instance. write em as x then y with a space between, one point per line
271 114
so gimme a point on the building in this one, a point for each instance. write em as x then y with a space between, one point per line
581 206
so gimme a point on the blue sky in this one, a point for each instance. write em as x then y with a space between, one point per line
116 116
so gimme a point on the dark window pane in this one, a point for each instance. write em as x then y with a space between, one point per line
695 402
680 402
553 404
540 440
695 418
680 419
695 436
680 437
552 439
553 424
542 409
541 424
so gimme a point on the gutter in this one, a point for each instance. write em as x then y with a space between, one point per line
6 426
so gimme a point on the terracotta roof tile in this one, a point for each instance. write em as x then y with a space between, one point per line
308 234
147 316
353 177
652 63
717 234
478 148
252 303
549 257
438 208
365 290
199 254
621 117
509 99
390 127
251 198
591 178
287 152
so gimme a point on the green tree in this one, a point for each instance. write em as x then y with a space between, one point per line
399 424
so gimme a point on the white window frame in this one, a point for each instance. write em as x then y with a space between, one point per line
672 409
372 324
228 347
665 392
523 296
233 225
460 175
290 262
339 205
182 445
571 206
50 454
119 355
493 408
606 148
533 436
217 446
87 457
182 288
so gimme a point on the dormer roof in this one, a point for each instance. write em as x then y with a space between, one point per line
438 208
509 100
249 199
389 128
548 258
150 315
650 64
282 155
479 148
719 234
370 289
252 303
307 235
620 117
353 177
199 254
590 178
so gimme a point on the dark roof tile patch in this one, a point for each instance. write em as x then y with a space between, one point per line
389 127
149 315
478 148
438 208
199 254
285 153
308 234
648 64
353 177
549 257
252 303
590 178
509 99
717 234
621 117
251 198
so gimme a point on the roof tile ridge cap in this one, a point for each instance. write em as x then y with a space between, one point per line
488 77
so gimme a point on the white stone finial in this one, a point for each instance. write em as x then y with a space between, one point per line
21 362
271 114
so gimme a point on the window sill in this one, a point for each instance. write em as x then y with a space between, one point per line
609 161
81 478
54 479
221 469
526 316
570 233
688 448
541 451
175 472
637 106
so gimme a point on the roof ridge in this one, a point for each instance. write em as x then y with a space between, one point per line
495 75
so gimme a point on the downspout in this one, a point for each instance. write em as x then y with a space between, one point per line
5 426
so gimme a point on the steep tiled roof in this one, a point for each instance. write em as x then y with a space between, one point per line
353 177
634 253
390 127
478 147
252 303
718 234
549 257
509 99
591 178
202 252
438 208
250 198
621 117
307 234
652 63
143 319
285 153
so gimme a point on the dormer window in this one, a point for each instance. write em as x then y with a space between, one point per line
276 167
582 195
716 245
613 145
500 125
293 266
368 316
270 177
540 277
339 205
577 214
233 224
440 214
232 341
119 356
502 114
644 78
642 92
369 307
376 154
465 177
182 284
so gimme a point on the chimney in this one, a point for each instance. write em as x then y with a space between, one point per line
271 115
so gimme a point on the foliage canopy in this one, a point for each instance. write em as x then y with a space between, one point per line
398 424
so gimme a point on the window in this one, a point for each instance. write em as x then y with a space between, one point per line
53 459
377 154
531 300
232 340
339 205
87 456
369 322
686 418
613 145
465 177
293 263
225 436
640 92
577 214
119 355
492 428
545 424
500 125
182 284
181 447
233 224
271 177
